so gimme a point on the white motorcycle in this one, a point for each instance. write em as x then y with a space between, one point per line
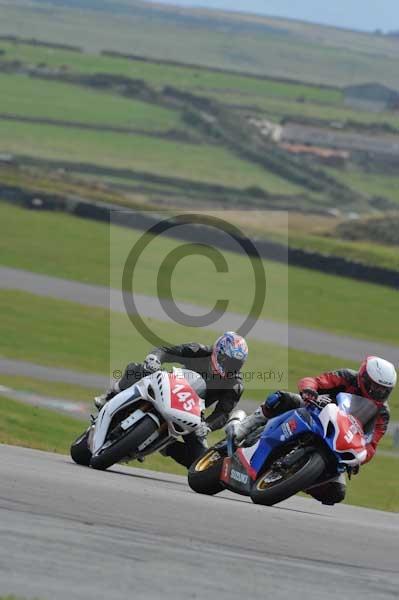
145 418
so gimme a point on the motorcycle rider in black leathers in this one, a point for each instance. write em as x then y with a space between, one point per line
219 365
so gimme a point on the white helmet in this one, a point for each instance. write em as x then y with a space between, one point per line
377 378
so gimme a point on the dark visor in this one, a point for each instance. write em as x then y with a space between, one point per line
229 365
376 390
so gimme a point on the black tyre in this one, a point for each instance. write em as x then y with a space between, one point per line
273 486
80 453
125 445
204 473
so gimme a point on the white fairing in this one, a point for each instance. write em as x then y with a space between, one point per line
159 383
107 413
331 414
154 388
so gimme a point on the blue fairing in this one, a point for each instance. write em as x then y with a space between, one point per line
284 428
294 423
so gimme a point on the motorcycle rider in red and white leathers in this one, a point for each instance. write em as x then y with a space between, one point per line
219 365
375 381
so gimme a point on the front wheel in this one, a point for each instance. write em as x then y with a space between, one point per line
125 445
276 485
204 473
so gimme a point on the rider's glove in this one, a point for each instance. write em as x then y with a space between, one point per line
309 395
100 401
320 402
151 363
202 430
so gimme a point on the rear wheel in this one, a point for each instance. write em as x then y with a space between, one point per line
125 445
204 473
276 484
80 452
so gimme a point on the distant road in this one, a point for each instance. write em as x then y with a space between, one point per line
298 338
28 369
70 532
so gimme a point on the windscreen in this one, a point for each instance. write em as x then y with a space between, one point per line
361 408
196 381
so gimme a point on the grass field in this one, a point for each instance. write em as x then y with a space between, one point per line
159 75
53 389
30 97
299 363
372 184
65 334
282 107
23 425
314 299
369 253
57 333
276 98
34 427
263 46
197 162
376 486
60 333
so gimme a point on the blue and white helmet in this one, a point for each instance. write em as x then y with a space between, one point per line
229 353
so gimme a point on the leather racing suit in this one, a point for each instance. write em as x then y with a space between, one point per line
331 384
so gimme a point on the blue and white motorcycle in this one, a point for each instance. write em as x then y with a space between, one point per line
293 452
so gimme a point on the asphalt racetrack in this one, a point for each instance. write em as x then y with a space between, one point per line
68 532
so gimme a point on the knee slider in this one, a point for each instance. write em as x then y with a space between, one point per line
334 493
339 492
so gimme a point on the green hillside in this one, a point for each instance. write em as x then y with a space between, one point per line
29 97
197 162
252 44
152 134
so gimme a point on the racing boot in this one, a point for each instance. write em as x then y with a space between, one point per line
259 418
249 424
100 401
